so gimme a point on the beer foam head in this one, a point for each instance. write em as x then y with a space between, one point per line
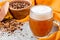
41 12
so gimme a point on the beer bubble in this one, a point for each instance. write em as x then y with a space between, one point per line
41 12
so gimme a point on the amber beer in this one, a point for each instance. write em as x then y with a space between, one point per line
41 20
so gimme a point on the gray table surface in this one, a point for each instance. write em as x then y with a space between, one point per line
0 0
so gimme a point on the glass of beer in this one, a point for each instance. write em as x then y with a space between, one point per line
41 20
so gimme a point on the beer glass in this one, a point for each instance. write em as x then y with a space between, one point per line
41 20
